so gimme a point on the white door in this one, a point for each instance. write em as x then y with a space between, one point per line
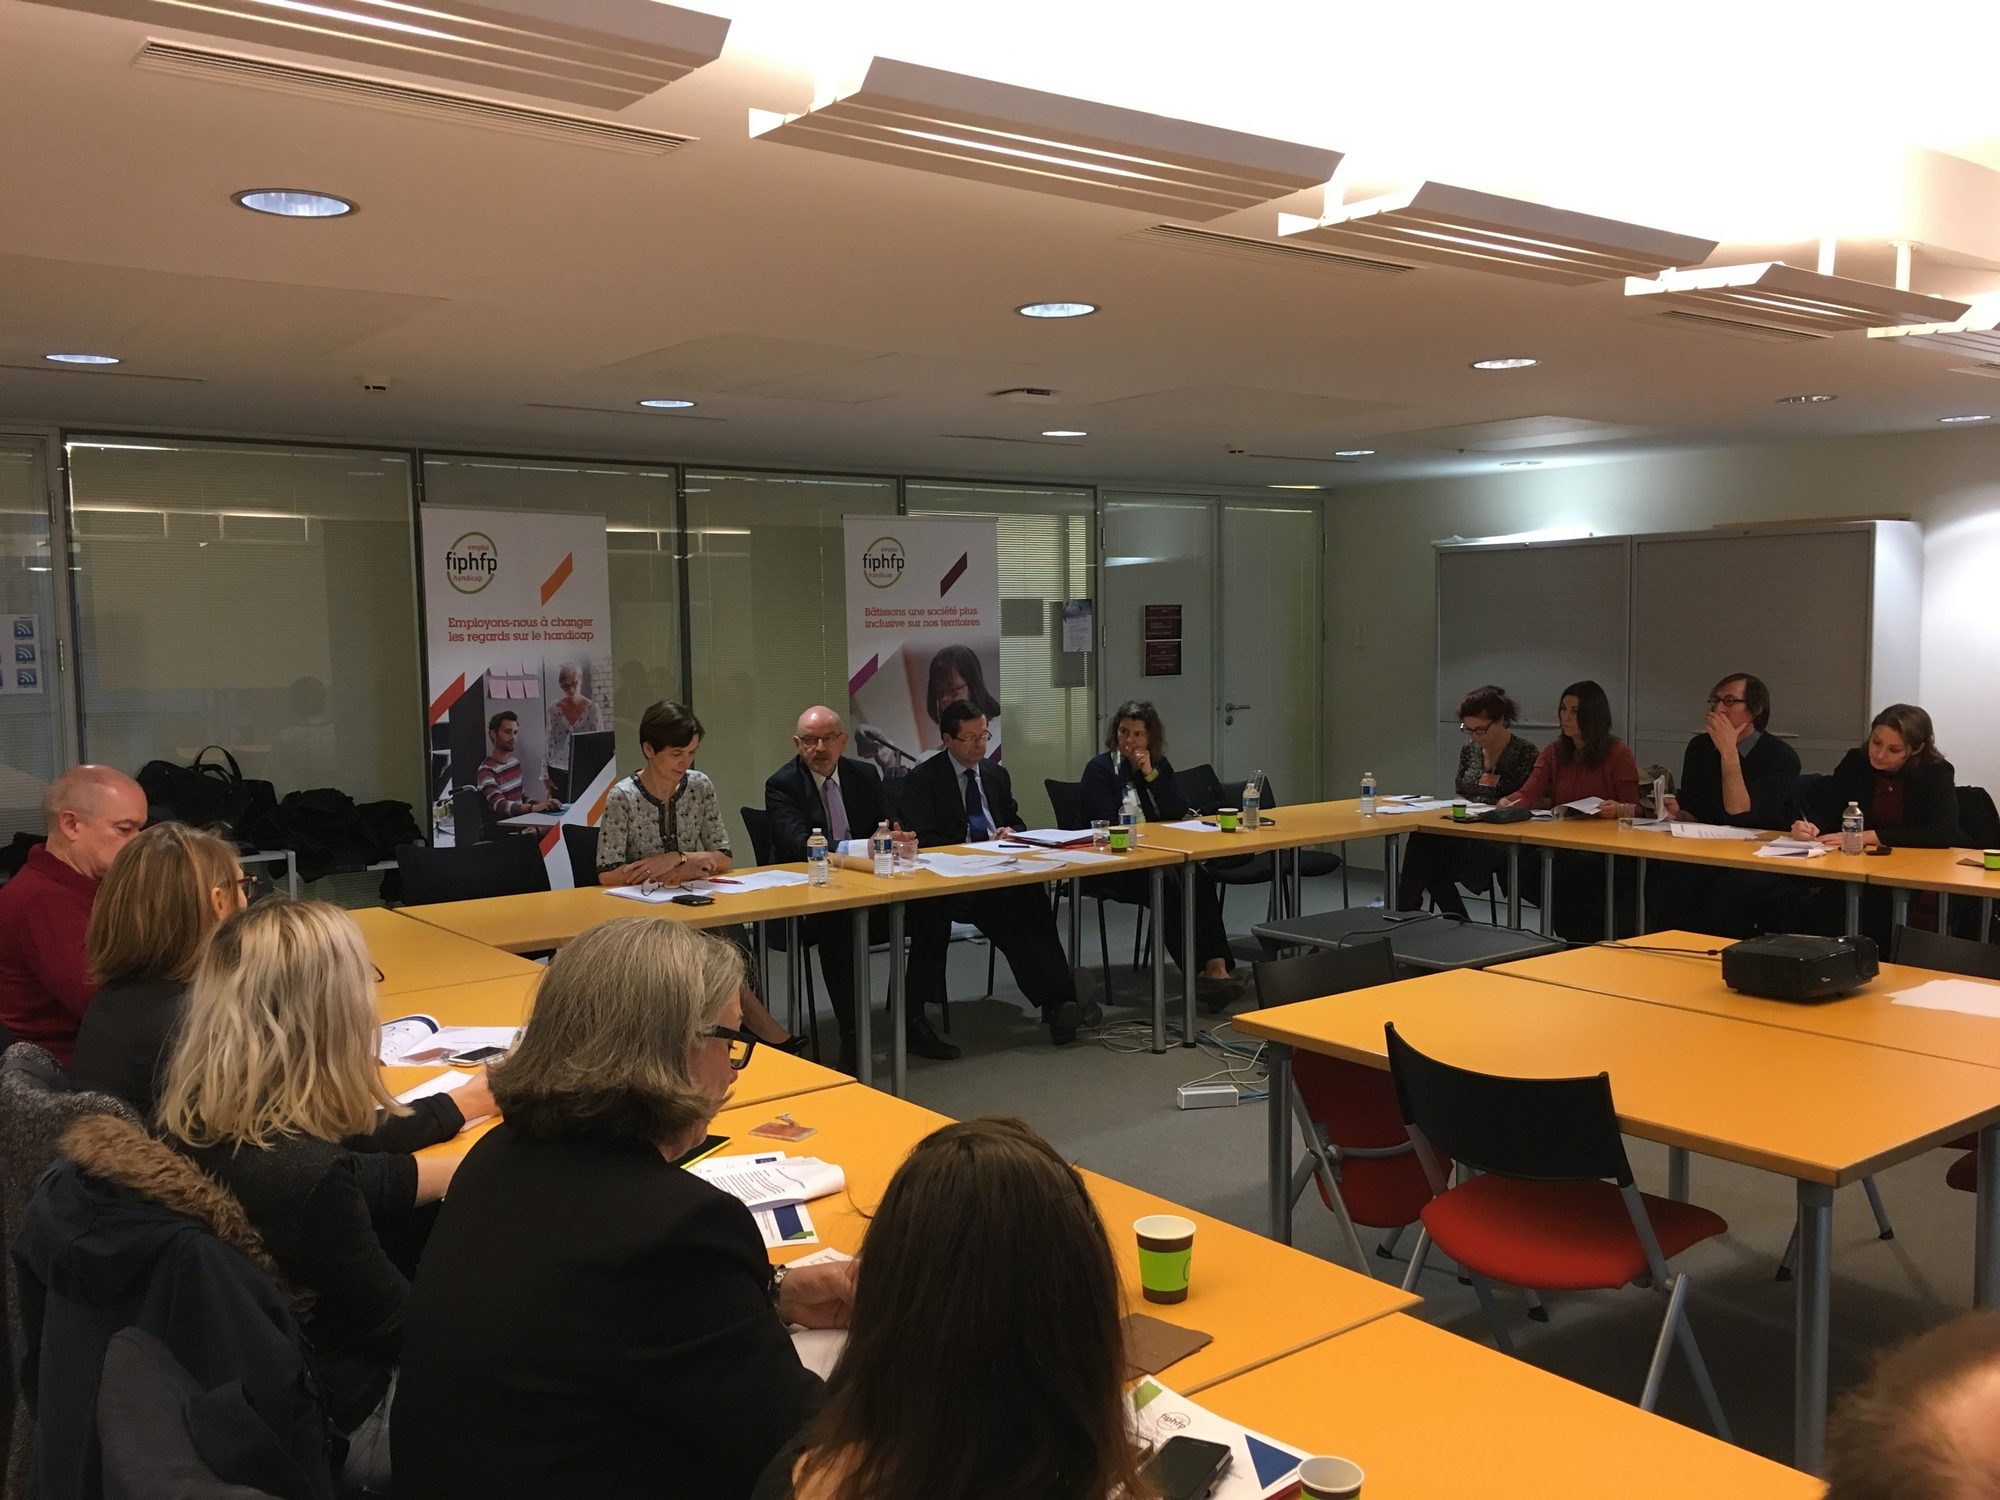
1268 648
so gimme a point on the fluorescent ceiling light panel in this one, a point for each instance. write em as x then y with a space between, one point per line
1454 226
1785 296
1977 333
605 53
960 126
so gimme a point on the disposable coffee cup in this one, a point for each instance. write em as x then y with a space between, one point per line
1226 819
1458 812
1166 1249
1991 859
1330 1479
1121 838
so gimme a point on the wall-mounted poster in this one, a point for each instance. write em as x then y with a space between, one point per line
1163 622
1163 658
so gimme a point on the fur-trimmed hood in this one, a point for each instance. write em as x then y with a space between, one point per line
113 1151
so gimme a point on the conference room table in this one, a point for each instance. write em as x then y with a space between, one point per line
1945 871
1260 1300
414 955
1821 1110
1428 1414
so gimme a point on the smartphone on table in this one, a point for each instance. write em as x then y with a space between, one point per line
475 1057
1187 1468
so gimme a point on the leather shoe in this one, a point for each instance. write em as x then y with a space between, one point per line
925 1042
794 1044
1062 1021
1215 996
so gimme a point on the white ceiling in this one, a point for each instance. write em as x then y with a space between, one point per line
522 294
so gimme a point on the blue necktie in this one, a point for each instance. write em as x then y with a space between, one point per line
976 821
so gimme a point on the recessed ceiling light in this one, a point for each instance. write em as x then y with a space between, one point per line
1354 453
82 359
1512 362
1065 432
666 403
1520 463
294 203
1975 418
1294 486
1804 400
1056 309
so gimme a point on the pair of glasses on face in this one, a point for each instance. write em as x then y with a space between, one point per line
741 1044
247 884
974 739
814 741
1475 730
1714 702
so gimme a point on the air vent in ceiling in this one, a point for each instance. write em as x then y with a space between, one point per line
1210 242
1734 328
676 418
1989 369
431 104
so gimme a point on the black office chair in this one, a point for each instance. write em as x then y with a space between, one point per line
1952 955
781 935
1202 788
1257 869
505 867
1066 801
580 840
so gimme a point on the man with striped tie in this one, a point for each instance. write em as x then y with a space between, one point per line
960 796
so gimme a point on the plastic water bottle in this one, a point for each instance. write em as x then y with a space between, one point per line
1253 797
882 848
1850 829
819 869
1128 810
1367 794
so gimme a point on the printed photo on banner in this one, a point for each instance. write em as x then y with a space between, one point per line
518 623
923 632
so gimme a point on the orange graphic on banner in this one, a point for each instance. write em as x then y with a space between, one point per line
558 578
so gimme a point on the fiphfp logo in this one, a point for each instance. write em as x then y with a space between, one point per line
882 561
471 561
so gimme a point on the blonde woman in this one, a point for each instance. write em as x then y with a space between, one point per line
272 1088
599 1321
160 900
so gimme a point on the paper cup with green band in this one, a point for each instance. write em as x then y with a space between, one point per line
1166 1248
1990 858
1227 818
1121 838
1330 1479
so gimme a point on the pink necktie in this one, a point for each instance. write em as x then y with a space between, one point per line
836 811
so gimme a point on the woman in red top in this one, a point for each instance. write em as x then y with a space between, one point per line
1587 760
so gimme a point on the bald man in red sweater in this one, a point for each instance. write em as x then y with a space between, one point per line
91 813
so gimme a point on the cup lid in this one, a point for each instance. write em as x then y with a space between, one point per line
1163 1226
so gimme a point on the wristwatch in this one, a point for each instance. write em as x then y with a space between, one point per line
777 1283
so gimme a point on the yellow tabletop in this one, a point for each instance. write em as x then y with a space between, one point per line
1294 827
489 1002
1029 870
416 956
1810 1107
1603 836
1429 1415
1692 982
1258 1298
1936 870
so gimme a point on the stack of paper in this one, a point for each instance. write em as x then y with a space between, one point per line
718 885
1585 807
1715 831
1010 848
961 866
1390 806
1259 1467
1791 848
1055 838
772 1179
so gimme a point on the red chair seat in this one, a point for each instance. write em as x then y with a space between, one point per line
1383 1192
1557 1235
1963 1174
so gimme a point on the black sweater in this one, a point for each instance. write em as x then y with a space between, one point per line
1160 800
1930 802
1770 775
123 1039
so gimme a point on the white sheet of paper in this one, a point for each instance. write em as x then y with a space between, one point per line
1193 825
747 880
1260 1466
1055 836
1971 997
1715 831
1395 805
770 1184
1789 848
962 866
403 1035
1587 806
640 893
819 1348
444 1083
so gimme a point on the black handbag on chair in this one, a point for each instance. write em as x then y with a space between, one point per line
206 793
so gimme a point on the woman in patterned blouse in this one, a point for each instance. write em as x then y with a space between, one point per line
1494 764
664 826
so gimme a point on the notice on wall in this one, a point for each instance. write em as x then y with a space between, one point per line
24 664
1163 658
517 616
923 632
1163 622
1078 625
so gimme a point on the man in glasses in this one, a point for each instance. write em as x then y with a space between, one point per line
1733 773
960 797
823 787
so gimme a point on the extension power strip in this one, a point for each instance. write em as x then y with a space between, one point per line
1206 1095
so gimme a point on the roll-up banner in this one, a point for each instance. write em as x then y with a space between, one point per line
923 630
517 613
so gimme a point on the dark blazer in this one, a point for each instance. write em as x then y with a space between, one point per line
1770 775
792 798
1930 802
123 1039
590 1321
934 799
1160 800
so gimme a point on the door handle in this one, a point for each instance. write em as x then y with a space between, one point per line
1229 711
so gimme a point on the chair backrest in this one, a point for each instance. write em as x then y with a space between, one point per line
1937 950
757 823
1065 801
147 1407
580 839
1202 788
472 817
505 867
1543 1129
1978 817
1324 971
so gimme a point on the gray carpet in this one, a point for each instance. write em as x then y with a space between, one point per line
1114 1111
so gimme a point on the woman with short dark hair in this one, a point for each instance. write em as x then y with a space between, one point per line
986 1361
1495 763
1135 744
590 1319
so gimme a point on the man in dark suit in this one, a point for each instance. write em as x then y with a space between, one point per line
959 796
842 797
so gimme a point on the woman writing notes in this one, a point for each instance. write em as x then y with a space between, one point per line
1585 760
1495 763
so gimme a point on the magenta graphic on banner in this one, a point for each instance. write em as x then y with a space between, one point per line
911 655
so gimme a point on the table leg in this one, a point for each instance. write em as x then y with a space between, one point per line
795 967
1899 908
1986 1228
292 873
1298 883
1853 907
1986 920
1190 965
1278 1137
1811 1322
1639 900
1392 859
864 1000
1075 924
1156 880
1944 911
1513 884
899 1001
1677 1173
1610 899
1548 889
